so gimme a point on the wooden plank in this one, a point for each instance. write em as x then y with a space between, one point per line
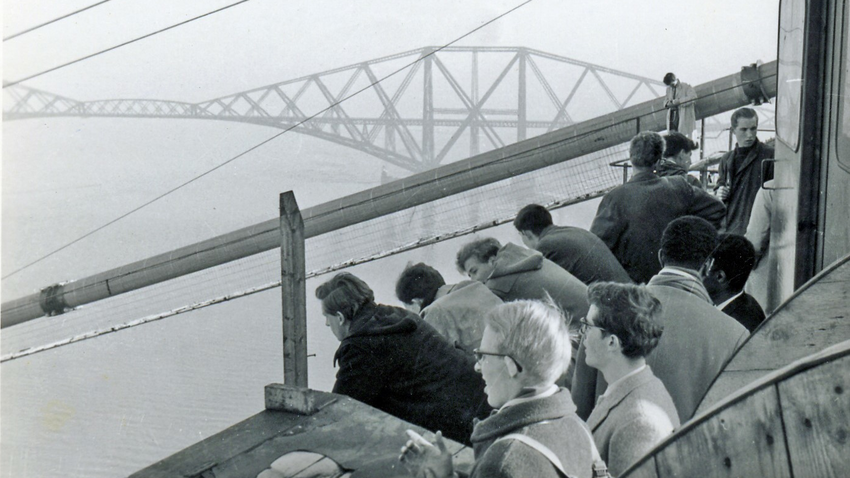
293 292
727 383
815 318
743 440
350 433
815 407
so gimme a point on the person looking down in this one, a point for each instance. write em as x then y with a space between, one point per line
391 359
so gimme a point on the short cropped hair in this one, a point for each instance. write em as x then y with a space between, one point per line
630 312
735 256
418 281
344 293
668 78
645 149
689 241
675 142
534 218
482 250
535 334
744 112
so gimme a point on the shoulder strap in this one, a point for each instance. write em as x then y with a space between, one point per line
541 448
599 468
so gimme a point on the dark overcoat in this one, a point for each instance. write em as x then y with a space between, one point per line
631 218
581 253
394 361
744 183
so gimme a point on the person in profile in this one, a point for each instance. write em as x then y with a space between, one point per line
677 158
698 338
741 170
631 217
635 413
455 310
513 272
534 431
725 275
680 101
576 250
391 359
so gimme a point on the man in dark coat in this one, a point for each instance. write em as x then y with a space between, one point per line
578 251
741 171
730 266
391 359
631 217
677 158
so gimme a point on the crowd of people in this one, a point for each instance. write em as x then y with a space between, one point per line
578 353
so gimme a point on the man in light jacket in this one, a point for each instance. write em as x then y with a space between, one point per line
455 310
636 412
698 338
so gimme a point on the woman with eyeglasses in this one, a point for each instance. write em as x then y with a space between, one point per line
635 413
534 431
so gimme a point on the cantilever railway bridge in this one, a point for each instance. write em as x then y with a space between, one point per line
454 103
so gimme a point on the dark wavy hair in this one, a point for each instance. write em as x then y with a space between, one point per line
744 112
688 241
418 281
630 312
534 218
482 250
675 142
645 149
668 78
735 256
344 293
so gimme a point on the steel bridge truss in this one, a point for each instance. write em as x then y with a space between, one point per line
454 103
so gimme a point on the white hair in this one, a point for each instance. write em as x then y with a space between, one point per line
535 334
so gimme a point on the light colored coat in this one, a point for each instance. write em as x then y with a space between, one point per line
631 419
685 94
551 421
458 312
697 342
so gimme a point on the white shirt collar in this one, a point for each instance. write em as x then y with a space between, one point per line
722 305
620 380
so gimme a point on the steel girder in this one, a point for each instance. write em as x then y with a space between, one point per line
414 119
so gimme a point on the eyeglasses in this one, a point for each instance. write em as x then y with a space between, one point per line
479 356
585 324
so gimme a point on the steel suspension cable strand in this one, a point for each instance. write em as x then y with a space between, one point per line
14 35
123 44
252 148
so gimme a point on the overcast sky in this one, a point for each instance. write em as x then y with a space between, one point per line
265 41
64 177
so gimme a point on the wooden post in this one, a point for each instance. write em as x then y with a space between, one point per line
293 292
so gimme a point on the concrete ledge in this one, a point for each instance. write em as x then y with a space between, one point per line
285 398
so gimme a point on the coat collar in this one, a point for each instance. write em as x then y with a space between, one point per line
617 395
523 414
643 176
751 156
